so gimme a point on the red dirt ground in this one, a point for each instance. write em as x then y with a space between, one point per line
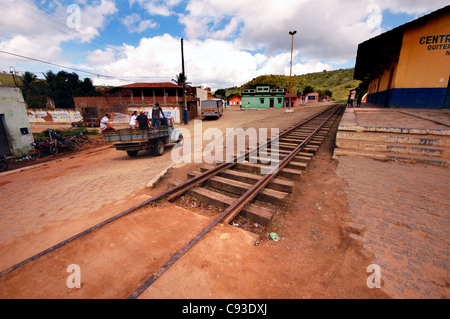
315 257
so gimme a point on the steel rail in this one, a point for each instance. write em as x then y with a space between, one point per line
245 199
168 194
232 210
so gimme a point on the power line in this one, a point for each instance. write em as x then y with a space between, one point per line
59 24
120 78
53 21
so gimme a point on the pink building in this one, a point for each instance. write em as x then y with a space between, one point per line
296 100
313 97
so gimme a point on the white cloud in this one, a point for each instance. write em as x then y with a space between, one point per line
29 31
101 56
157 7
327 29
95 17
227 43
310 67
213 63
413 7
134 23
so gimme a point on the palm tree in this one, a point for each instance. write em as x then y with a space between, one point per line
34 90
179 80
28 78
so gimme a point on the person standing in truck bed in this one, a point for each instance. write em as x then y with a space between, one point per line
142 119
156 111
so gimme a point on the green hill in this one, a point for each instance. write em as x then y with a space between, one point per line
6 79
339 82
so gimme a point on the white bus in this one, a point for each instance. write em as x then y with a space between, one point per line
212 108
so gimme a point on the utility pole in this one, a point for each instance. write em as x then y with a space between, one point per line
290 76
185 113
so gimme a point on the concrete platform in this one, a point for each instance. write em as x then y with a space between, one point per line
406 135
400 211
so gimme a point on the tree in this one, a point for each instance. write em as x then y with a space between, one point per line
307 89
64 86
34 90
179 80
328 92
220 93
28 78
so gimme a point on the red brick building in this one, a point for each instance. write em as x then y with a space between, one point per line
121 101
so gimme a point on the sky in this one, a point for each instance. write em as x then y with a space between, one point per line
225 43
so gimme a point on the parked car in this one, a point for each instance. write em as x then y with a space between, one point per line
87 123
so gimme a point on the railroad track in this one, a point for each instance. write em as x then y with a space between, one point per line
236 186
296 146
230 181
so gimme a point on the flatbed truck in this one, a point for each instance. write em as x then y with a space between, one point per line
152 139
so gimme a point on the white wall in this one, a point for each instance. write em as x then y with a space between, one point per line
56 116
15 118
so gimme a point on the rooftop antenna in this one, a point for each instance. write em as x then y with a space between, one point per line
13 72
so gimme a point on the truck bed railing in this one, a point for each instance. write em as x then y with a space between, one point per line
128 135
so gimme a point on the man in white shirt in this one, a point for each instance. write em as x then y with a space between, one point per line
133 120
351 97
104 123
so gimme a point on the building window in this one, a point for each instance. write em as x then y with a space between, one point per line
262 101
279 101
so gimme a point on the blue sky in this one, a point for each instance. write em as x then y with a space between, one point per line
226 43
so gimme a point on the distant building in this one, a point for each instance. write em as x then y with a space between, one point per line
235 102
409 66
312 97
201 93
209 94
263 97
296 99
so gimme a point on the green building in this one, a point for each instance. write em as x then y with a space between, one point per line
262 97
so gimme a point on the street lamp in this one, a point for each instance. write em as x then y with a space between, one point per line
290 76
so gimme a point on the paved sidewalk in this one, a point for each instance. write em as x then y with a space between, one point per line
405 211
376 119
66 189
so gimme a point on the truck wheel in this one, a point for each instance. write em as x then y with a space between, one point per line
159 148
180 141
132 153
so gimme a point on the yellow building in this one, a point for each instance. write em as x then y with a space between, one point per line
409 66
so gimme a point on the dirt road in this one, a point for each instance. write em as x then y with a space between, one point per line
42 207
